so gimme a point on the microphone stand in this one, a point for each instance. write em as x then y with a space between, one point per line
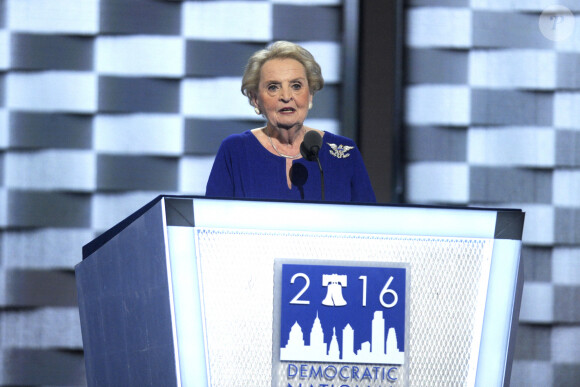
321 176
309 149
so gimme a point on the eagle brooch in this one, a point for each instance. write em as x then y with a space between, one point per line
340 151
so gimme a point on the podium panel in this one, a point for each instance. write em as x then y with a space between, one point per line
299 294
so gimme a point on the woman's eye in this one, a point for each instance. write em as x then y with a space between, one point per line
297 86
272 87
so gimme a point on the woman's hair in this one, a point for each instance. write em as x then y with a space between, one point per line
280 50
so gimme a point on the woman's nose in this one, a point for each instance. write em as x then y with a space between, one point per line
286 94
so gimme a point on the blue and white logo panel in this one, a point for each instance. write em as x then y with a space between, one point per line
333 314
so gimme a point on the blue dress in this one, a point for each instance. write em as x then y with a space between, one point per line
243 168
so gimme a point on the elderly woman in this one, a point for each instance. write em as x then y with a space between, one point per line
280 82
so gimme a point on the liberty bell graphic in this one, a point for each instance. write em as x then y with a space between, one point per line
334 284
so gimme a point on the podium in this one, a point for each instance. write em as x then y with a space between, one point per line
195 291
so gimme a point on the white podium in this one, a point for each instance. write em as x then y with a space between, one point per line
193 291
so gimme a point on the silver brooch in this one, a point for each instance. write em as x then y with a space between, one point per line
340 151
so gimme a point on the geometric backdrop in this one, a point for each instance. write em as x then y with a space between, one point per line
492 113
104 104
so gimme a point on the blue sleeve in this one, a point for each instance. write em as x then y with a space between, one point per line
361 188
221 181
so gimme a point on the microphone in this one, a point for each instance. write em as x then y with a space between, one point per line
309 150
311 145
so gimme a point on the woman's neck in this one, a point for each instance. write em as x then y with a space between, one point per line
287 136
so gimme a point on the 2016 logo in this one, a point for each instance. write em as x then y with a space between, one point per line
335 313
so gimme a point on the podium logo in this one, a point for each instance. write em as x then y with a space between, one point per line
334 282
342 314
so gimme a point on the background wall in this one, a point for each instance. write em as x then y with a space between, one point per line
492 119
104 104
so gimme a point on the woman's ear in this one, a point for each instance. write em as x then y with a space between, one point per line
254 101
256 106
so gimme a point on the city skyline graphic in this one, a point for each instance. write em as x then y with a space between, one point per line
335 313
379 350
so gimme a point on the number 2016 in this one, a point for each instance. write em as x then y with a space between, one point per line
298 301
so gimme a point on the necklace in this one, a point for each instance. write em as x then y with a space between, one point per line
279 153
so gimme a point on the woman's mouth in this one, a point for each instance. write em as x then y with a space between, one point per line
287 110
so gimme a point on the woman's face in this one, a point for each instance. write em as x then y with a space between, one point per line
283 93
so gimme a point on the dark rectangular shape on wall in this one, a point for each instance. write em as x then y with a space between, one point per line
509 107
532 342
567 143
566 226
567 71
491 29
204 136
430 143
51 52
306 23
437 66
566 306
36 366
2 90
537 263
2 14
208 58
326 103
2 183
50 130
40 288
140 17
120 172
48 209
566 374
127 94
510 185
380 96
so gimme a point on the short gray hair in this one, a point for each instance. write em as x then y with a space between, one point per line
280 50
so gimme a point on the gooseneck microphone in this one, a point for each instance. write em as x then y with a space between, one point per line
309 150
